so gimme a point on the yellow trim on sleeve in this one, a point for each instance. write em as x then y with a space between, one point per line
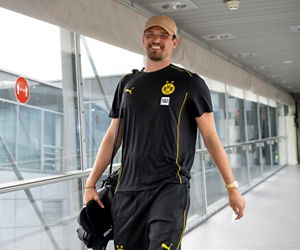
184 221
182 70
178 125
125 76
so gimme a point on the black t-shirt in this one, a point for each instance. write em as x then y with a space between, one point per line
159 110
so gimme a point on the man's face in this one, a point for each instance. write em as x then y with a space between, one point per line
158 43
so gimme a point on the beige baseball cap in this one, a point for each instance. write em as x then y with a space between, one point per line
165 22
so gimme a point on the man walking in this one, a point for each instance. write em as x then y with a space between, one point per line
161 108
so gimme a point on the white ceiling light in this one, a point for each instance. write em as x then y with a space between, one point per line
232 4
215 37
276 75
262 67
174 5
246 54
287 62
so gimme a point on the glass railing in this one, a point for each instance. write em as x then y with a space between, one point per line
251 162
52 204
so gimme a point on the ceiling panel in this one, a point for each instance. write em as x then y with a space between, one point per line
260 26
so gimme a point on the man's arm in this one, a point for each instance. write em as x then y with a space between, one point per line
206 125
102 160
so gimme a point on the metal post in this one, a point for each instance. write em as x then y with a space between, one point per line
42 140
17 131
259 136
81 111
202 162
286 136
246 137
227 116
270 135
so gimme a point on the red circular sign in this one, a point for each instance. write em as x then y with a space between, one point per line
22 90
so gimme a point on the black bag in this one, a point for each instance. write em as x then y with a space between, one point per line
96 225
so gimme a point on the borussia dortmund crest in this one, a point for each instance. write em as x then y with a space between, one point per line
168 88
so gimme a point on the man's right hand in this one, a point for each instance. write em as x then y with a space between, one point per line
91 194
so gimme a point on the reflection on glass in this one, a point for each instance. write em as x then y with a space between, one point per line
236 120
275 155
26 215
96 112
29 144
265 133
254 161
238 162
218 102
266 157
273 132
273 121
214 183
264 120
252 120
197 206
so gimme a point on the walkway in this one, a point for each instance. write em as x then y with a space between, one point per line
272 219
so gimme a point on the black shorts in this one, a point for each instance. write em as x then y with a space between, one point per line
150 219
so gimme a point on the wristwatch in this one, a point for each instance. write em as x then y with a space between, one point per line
234 184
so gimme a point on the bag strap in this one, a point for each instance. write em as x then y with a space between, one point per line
118 130
116 138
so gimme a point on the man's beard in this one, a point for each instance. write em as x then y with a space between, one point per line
154 56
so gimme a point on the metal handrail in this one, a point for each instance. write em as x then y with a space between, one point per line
31 106
204 150
41 181
20 185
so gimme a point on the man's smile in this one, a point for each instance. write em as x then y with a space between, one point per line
155 47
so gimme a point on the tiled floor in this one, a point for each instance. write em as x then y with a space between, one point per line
272 219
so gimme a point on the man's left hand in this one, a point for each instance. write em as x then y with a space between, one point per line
237 202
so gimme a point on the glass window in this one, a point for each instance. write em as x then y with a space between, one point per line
264 120
273 121
238 162
281 130
40 137
218 102
197 206
103 65
252 120
235 110
254 161
236 120
29 138
42 217
273 132
264 128
286 110
215 190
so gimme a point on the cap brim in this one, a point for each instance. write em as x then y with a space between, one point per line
162 26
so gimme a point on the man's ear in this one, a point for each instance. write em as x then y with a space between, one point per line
175 42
